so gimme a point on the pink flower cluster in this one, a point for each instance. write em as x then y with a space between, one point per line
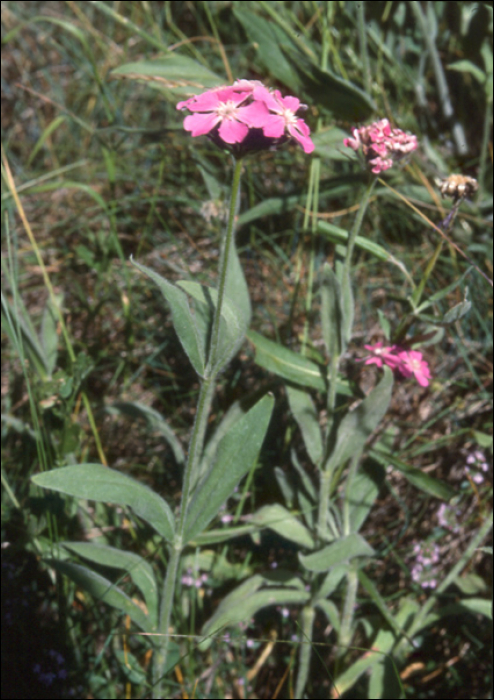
381 145
246 117
409 363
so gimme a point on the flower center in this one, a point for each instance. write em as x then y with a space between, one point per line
227 110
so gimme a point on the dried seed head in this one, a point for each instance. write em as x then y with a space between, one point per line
457 186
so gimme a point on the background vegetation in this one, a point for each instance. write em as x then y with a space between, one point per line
96 167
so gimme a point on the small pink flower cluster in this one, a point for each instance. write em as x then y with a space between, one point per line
381 145
246 117
408 362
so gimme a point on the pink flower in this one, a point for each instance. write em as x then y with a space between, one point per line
225 107
413 364
283 116
381 145
246 117
382 355
409 363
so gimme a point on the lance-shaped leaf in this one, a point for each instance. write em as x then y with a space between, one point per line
331 313
305 414
359 424
138 569
286 363
236 289
425 482
237 452
336 553
173 71
362 491
103 590
100 483
243 602
279 519
192 331
233 324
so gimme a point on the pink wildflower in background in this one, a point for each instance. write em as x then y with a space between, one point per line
409 363
381 145
246 117
412 363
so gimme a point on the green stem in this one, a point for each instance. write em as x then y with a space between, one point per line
196 446
225 253
347 322
356 228
345 636
308 615
161 652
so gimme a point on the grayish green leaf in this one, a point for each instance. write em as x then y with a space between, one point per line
103 590
237 454
138 569
98 483
342 550
191 331
305 414
280 520
358 425
331 311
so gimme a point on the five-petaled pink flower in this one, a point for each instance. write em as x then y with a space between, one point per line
409 363
246 117
382 355
413 364
381 145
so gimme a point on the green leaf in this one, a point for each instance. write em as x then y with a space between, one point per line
138 569
103 590
18 327
342 550
175 72
154 421
457 312
268 38
190 330
331 581
237 453
305 414
424 482
379 601
343 99
381 646
45 134
362 493
465 66
331 612
131 667
340 235
358 425
384 681
331 311
328 143
233 324
98 483
246 600
286 363
286 486
280 520
237 291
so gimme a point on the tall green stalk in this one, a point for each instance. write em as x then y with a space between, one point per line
347 314
196 446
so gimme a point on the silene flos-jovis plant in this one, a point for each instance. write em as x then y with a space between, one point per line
322 517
